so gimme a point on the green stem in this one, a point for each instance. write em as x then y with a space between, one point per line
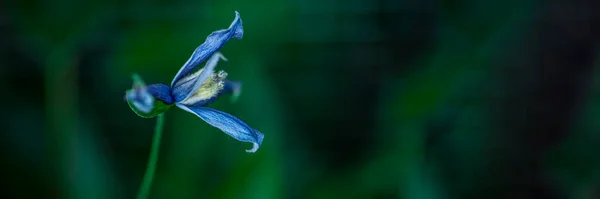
151 167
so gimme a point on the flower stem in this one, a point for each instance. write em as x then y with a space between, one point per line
151 166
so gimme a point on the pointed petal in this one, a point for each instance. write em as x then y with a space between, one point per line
184 90
229 124
161 92
213 43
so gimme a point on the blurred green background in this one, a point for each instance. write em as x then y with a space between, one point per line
411 99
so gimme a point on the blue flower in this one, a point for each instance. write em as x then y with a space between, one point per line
193 91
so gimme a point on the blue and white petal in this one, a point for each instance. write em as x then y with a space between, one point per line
190 85
229 124
212 44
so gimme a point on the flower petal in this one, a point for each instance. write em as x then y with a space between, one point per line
213 43
161 92
184 89
229 124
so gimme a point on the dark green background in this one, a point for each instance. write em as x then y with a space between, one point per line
411 99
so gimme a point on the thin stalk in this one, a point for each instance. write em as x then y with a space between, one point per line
151 166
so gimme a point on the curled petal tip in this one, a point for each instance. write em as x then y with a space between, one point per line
254 148
236 25
257 143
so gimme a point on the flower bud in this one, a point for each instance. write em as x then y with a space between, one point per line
143 99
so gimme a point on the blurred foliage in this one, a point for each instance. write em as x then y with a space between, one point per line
356 99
